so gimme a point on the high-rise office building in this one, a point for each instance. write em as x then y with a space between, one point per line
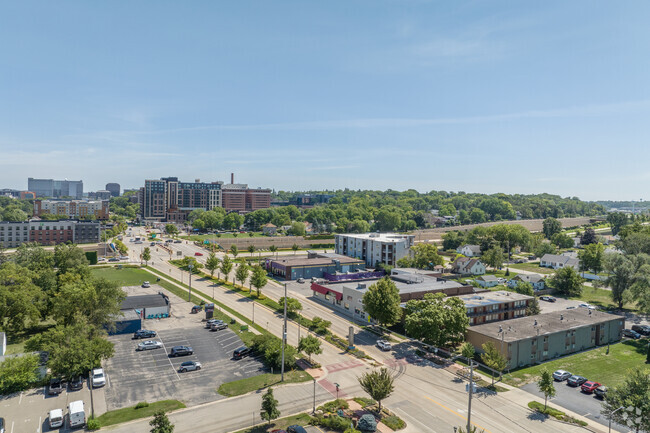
56 188
114 188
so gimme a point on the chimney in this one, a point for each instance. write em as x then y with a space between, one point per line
232 178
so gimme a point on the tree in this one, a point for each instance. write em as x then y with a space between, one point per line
524 288
258 279
21 301
617 221
293 304
632 394
171 229
273 248
226 266
591 257
543 249
546 386
381 301
270 409
241 274
212 264
567 282
378 384
233 250
18 373
493 358
589 237
452 240
310 345
295 248
493 257
477 216
425 256
297 229
628 277
533 307
251 249
562 240
160 423
146 255
467 351
551 226
437 320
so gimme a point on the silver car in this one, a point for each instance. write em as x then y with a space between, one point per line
561 375
189 366
148 345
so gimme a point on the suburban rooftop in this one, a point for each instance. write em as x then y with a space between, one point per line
490 298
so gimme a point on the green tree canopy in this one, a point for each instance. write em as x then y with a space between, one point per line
633 395
212 264
546 385
437 320
241 274
378 384
551 226
160 423
310 345
259 279
270 409
425 256
226 266
382 302
567 281
493 358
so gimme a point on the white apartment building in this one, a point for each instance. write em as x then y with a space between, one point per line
374 248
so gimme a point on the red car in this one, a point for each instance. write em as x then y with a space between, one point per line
589 386
198 254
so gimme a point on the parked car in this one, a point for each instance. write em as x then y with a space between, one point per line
300 280
218 326
56 386
144 333
631 334
2 425
178 241
501 280
383 345
76 383
548 298
209 323
113 259
149 345
561 375
601 392
98 377
198 254
641 329
181 351
55 419
189 366
576 380
589 386
296 429
146 284
589 306
241 352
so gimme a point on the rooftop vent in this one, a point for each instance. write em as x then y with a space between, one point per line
535 324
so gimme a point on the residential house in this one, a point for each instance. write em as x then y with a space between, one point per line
469 250
465 265
487 281
557 262
536 280
269 229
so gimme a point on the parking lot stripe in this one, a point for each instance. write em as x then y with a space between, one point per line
21 397
12 427
170 360
40 418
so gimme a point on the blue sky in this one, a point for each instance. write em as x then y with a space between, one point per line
476 96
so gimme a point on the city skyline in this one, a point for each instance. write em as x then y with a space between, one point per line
524 98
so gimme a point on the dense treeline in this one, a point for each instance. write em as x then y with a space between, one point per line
123 207
12 209
39 286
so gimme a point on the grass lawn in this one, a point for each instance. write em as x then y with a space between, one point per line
130 413
243 386
531 267
501 273
282 423
601 298
202 238
593 364
16 342
124 276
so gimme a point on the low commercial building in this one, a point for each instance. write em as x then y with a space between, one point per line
128 322
315 265
496 306
374 248
535 339
148 306
348 297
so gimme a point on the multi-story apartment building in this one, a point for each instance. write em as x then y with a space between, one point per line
75 209
374 248
14 234
495 306
534 339
56 188
168 199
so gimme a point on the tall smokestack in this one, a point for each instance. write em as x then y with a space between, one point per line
232 178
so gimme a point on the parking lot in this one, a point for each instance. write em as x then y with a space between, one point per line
559 304
575 400
152 375
28 411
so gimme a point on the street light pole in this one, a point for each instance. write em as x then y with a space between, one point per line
610 418
471 390
284 331
314 410
190 293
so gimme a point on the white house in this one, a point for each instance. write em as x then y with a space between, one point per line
487 281
557 262
536 280
465 265
469 250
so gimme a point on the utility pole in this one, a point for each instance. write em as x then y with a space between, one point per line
314 410
471 390
189 298
284 331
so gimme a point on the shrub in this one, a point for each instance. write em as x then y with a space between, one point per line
334 405
141 405
352 430
334 422
319 325
364 402
93 424
394 422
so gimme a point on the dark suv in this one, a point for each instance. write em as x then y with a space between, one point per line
76 383
241 352
641 329
144 333
57 385
181 351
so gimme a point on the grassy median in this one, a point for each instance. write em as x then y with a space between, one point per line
136 412
244 386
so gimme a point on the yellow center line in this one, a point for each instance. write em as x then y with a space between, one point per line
456 413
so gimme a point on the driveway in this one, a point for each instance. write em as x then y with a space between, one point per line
152 375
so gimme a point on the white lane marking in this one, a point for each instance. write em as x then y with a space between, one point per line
21 398
40 418
108 381
169 359
12 427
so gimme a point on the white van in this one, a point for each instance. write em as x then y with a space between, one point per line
56 418
77 414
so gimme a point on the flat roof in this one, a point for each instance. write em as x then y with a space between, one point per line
144 301
428 284
128 315
322 260
543 324
491 298
382 237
